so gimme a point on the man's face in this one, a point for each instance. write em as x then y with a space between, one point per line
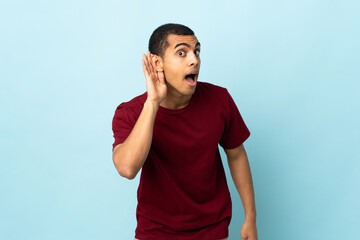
182 58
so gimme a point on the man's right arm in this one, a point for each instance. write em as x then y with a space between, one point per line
130 156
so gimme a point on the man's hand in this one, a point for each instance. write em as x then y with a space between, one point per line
155 81
248 230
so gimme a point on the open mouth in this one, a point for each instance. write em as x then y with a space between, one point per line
191 79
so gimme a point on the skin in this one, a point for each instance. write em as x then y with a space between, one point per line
176 63
166 87
179 94
241 175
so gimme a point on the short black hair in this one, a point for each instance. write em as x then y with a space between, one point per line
158 40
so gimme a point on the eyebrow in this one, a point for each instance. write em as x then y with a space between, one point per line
185 44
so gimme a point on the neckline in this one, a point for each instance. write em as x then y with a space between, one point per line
183 109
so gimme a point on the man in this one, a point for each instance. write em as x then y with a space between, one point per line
172 132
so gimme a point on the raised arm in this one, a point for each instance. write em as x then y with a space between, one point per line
129 157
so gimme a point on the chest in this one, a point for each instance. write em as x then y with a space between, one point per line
200 128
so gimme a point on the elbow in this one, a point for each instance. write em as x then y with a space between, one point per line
124 165
128 174
124 170
131 177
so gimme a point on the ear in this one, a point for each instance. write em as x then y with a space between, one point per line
157 62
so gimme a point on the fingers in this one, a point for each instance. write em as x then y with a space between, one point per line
149 69
149 62
152 67
145 65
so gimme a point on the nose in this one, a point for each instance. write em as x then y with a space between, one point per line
194 60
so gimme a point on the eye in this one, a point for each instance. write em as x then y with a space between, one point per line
181 53
197 52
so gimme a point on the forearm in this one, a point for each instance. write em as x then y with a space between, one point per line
130 156
241 175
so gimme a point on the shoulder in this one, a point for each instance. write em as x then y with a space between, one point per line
135 102
209 87
211 91
131 108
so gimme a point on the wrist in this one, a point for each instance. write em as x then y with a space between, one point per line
152 103
250 217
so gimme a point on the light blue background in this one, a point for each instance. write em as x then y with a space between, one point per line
292 68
